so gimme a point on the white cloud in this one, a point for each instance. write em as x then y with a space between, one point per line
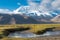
56 5
7 11
19 3
50 5
31 6
43 6
32 3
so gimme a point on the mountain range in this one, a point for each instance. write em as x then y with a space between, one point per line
31 18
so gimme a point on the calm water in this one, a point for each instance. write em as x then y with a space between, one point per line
29 34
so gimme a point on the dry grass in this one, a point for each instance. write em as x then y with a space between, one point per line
34 27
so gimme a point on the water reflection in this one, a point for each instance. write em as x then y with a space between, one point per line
22 35
29 34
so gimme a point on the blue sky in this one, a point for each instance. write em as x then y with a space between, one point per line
11 4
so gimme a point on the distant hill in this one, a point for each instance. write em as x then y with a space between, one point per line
56 19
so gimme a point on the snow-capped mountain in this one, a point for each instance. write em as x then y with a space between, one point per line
37 13
26 18
42 16
34 12
27 15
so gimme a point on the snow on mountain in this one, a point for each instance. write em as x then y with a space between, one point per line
33 11
34 15
37 13
42 16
